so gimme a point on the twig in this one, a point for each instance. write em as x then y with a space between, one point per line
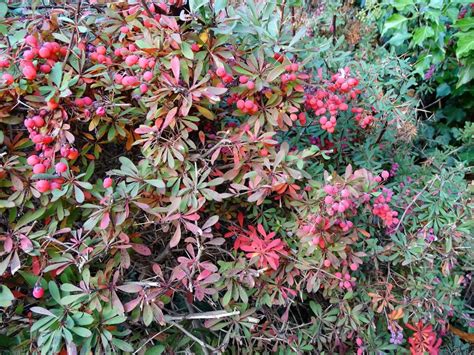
204 315
196 339
151 339
427 186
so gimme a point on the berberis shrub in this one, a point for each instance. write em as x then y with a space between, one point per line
168 185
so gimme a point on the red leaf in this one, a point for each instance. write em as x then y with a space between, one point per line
36 266
175 67
176 237
104 223
169 118
141 249
240 218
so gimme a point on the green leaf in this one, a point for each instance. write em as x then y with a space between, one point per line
79 195
156 350
194 5
443 90
82 332
465 43
29 217
465 24
6 204
186 50
56 74
219 5
421 34
6 297
3 10
276 72
122 345
394 22
54 291
159 183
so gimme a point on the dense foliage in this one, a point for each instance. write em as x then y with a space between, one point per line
209 178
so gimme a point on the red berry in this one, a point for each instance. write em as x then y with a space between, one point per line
32 160
38 120
73 154
60 167
43 185
8 78
31 41
107 182
195 47
45 68
131 60
87 100
38 292
39 169
100 111
220 72
243 79
44 52
101 50
29 72
147 76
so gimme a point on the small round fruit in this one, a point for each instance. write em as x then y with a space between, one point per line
107 182
8 78
38 292
43 185
220 72
60 167
39 169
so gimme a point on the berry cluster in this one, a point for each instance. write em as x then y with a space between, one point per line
345 281
363 119
327 103
247 106
225 77
337 200
244 80
383 210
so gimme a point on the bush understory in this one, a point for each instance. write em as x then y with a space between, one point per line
207 177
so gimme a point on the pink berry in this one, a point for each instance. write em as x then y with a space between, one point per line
220 72
44 52
131 60
107 182
147 76
8 78
354 266
32 160
385 174
250 85
124 29
29 72
60 167
43 185
39 169
100 111
38 292
243 79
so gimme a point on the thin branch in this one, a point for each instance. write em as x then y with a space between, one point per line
427 186
196 339
204 315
